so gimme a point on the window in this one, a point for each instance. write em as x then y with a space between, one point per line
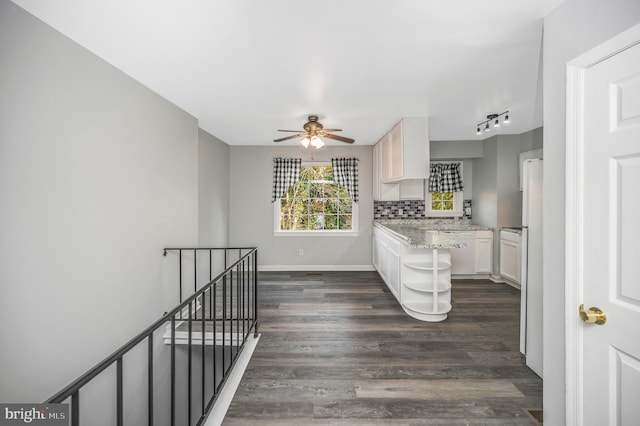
444 203
316 204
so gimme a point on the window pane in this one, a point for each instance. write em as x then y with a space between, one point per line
286 222
346 205
448 205
317 206
331 221
315 190
300 221
328 173
436 196
316 222
447 196
345 221
436 205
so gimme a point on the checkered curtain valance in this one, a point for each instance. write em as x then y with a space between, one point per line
445 177
345 174
286 172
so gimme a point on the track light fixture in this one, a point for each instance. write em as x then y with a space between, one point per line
496 121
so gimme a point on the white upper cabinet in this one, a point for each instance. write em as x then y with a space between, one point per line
407 150
401 161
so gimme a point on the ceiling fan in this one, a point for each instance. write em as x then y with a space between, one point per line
313 129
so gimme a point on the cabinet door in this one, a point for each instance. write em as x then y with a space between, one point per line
396 152
484 256
375 253
385 158
383 191
394 272
376 172
510 260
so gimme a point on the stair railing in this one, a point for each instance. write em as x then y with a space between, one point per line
219 317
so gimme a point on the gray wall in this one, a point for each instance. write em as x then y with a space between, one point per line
97 175
455 150
252 221
213 191
497 200
572 29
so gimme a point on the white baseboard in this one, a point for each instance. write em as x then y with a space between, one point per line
471 277
233 381
269 268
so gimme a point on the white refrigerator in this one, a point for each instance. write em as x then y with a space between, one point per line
531 278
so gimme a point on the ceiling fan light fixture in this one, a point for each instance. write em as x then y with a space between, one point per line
312 129
317 142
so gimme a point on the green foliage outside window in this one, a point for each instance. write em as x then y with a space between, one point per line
442 201
316 202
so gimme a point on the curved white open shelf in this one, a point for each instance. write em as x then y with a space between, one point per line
427 308
427 287
428 266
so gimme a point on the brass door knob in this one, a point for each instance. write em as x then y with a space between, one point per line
592 315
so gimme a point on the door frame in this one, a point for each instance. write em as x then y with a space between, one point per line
574 209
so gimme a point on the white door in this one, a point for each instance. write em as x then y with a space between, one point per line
602 268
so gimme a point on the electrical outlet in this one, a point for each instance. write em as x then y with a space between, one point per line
300 252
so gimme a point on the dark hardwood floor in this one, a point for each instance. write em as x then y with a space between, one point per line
337 349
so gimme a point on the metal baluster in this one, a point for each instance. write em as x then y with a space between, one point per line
150 378
119 402
173 369
203 371
189 354
75 408
180 269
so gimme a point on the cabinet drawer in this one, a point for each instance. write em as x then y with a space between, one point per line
510 236
455 235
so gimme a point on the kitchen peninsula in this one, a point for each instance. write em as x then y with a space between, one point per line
414 259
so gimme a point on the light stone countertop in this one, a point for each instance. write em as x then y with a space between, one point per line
419 238
418 232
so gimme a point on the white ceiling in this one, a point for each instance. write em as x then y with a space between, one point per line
246 68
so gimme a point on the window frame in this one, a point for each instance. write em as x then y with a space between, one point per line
458 198
315 232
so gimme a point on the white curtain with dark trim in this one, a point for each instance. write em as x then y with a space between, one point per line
286 172
345 174
445 177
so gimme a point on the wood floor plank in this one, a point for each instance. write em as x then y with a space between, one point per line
337 349
436 389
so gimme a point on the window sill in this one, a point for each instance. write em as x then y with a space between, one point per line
315 233
438 213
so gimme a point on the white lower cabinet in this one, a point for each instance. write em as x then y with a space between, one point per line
477 255
510 256
463 258
420 279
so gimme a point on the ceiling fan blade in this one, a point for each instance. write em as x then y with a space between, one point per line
294 131
331 130
339 138
290 137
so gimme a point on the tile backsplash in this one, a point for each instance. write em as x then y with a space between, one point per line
408 209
